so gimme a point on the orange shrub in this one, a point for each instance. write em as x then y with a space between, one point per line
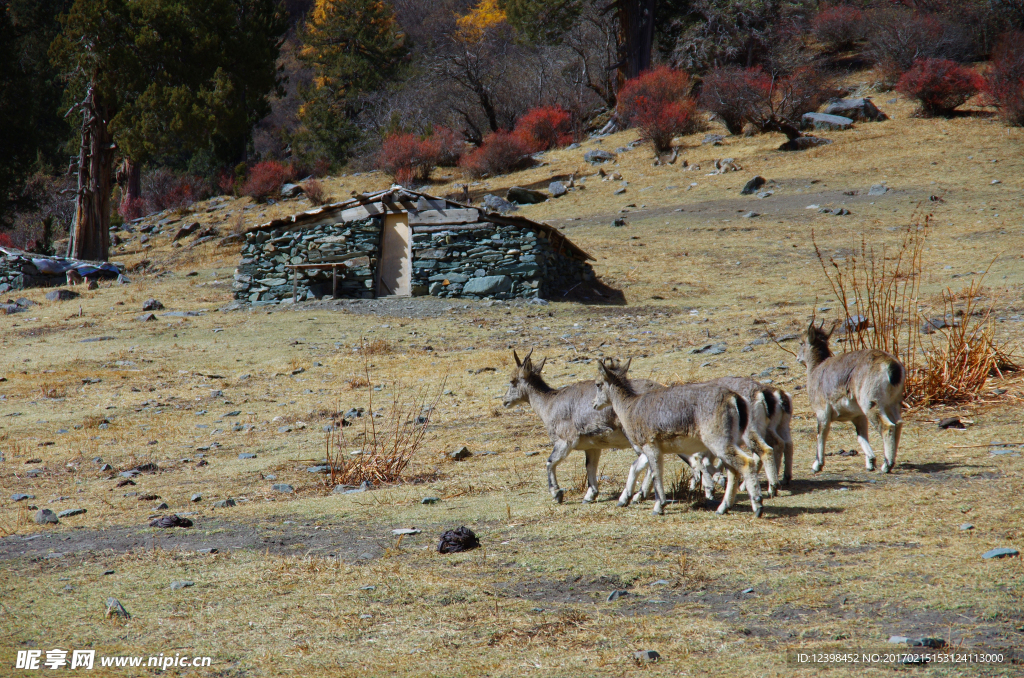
658 103
544 128
500 153
940 85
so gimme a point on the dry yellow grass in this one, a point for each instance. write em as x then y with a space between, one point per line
841 561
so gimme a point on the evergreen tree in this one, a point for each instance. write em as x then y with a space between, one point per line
353 46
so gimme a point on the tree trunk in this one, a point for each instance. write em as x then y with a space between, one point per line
90 237
129 177
636 36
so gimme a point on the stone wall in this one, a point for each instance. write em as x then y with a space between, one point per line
477 261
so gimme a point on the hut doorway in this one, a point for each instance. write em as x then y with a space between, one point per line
395 277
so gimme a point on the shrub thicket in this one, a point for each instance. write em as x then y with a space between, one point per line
839 27
1005 79
940 85
500 153
658 104
544 128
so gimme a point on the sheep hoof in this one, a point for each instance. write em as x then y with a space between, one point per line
886 468
623 503
559 496
816 466
870 464
757 511
773 491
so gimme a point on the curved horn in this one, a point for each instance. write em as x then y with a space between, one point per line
526 358
834 326
519 363
540 365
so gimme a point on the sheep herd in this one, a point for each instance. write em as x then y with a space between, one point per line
731 425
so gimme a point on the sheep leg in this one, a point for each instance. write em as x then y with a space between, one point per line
562 448
861 424
592 459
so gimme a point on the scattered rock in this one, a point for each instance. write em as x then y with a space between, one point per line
988 555
185 231
22 497
878 189
803 143
291 191
598 156
497 204
557 189
934 643
146 317
283 487
525 196
860 109
46 517
196 497
224 503
646 656
162 506
966 526
71 512
429 500
406 531
152 305
615 595
488 285
246 455
178 585
825 121
61 295
116 609
952 422
714 139
460 453
172 520
709 349
751 215
459 539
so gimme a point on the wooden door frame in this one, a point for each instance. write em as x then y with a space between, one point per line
377 282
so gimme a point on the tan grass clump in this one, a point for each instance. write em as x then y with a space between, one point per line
880 297
376 347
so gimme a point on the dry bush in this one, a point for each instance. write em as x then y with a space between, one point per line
880 293
94 420
388 445
357 382
376 347
52 391
315 191
1005 79
839 27
547 632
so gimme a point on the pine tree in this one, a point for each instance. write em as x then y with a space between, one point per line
353 46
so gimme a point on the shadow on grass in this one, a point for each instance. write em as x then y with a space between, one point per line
806 486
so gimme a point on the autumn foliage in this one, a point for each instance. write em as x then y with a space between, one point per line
500 153
940 85
838 27
544 128
1005 79
658 104
407 157
265 179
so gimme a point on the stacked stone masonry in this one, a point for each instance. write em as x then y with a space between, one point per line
491 261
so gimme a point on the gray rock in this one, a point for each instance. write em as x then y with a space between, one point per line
825 121
751 215
557 189
71 512
878 189
861 109
284 429
966 526
320 468
224 503
246 455
619 191
162 506
803 143
283 488
619 223
196 497
406 531
751 186
146 317
709 349
291 191
488 285
460 453
61 295
999 453
495 204
646 656
898 640
714 139
152 305
179 585
615 595
22 497
661 582
598 156
185 231
429 500
525 196
933 643
116 609
988 555
45 517
25 303
747 591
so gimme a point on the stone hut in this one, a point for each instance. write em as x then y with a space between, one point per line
402 243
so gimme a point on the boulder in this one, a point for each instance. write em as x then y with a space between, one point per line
861 110
824 121
803 143
488 285
46 516
714 139
61 295
751 186
557 189
152 305
877 189
185 231
598 156
495 204
291 191
525 196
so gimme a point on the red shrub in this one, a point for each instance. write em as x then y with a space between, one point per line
321 167
500 153
658 103
132 208
314 190
265 179
226 183
407 156
735 95
544 128
1005 80
940 85
838 27
446 146
5 240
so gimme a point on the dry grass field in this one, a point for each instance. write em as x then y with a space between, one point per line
313 583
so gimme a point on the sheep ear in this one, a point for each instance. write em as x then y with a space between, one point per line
540 366
526 358
519 363
810 329
625 368
602 367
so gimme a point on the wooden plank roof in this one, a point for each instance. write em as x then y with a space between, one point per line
400 199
